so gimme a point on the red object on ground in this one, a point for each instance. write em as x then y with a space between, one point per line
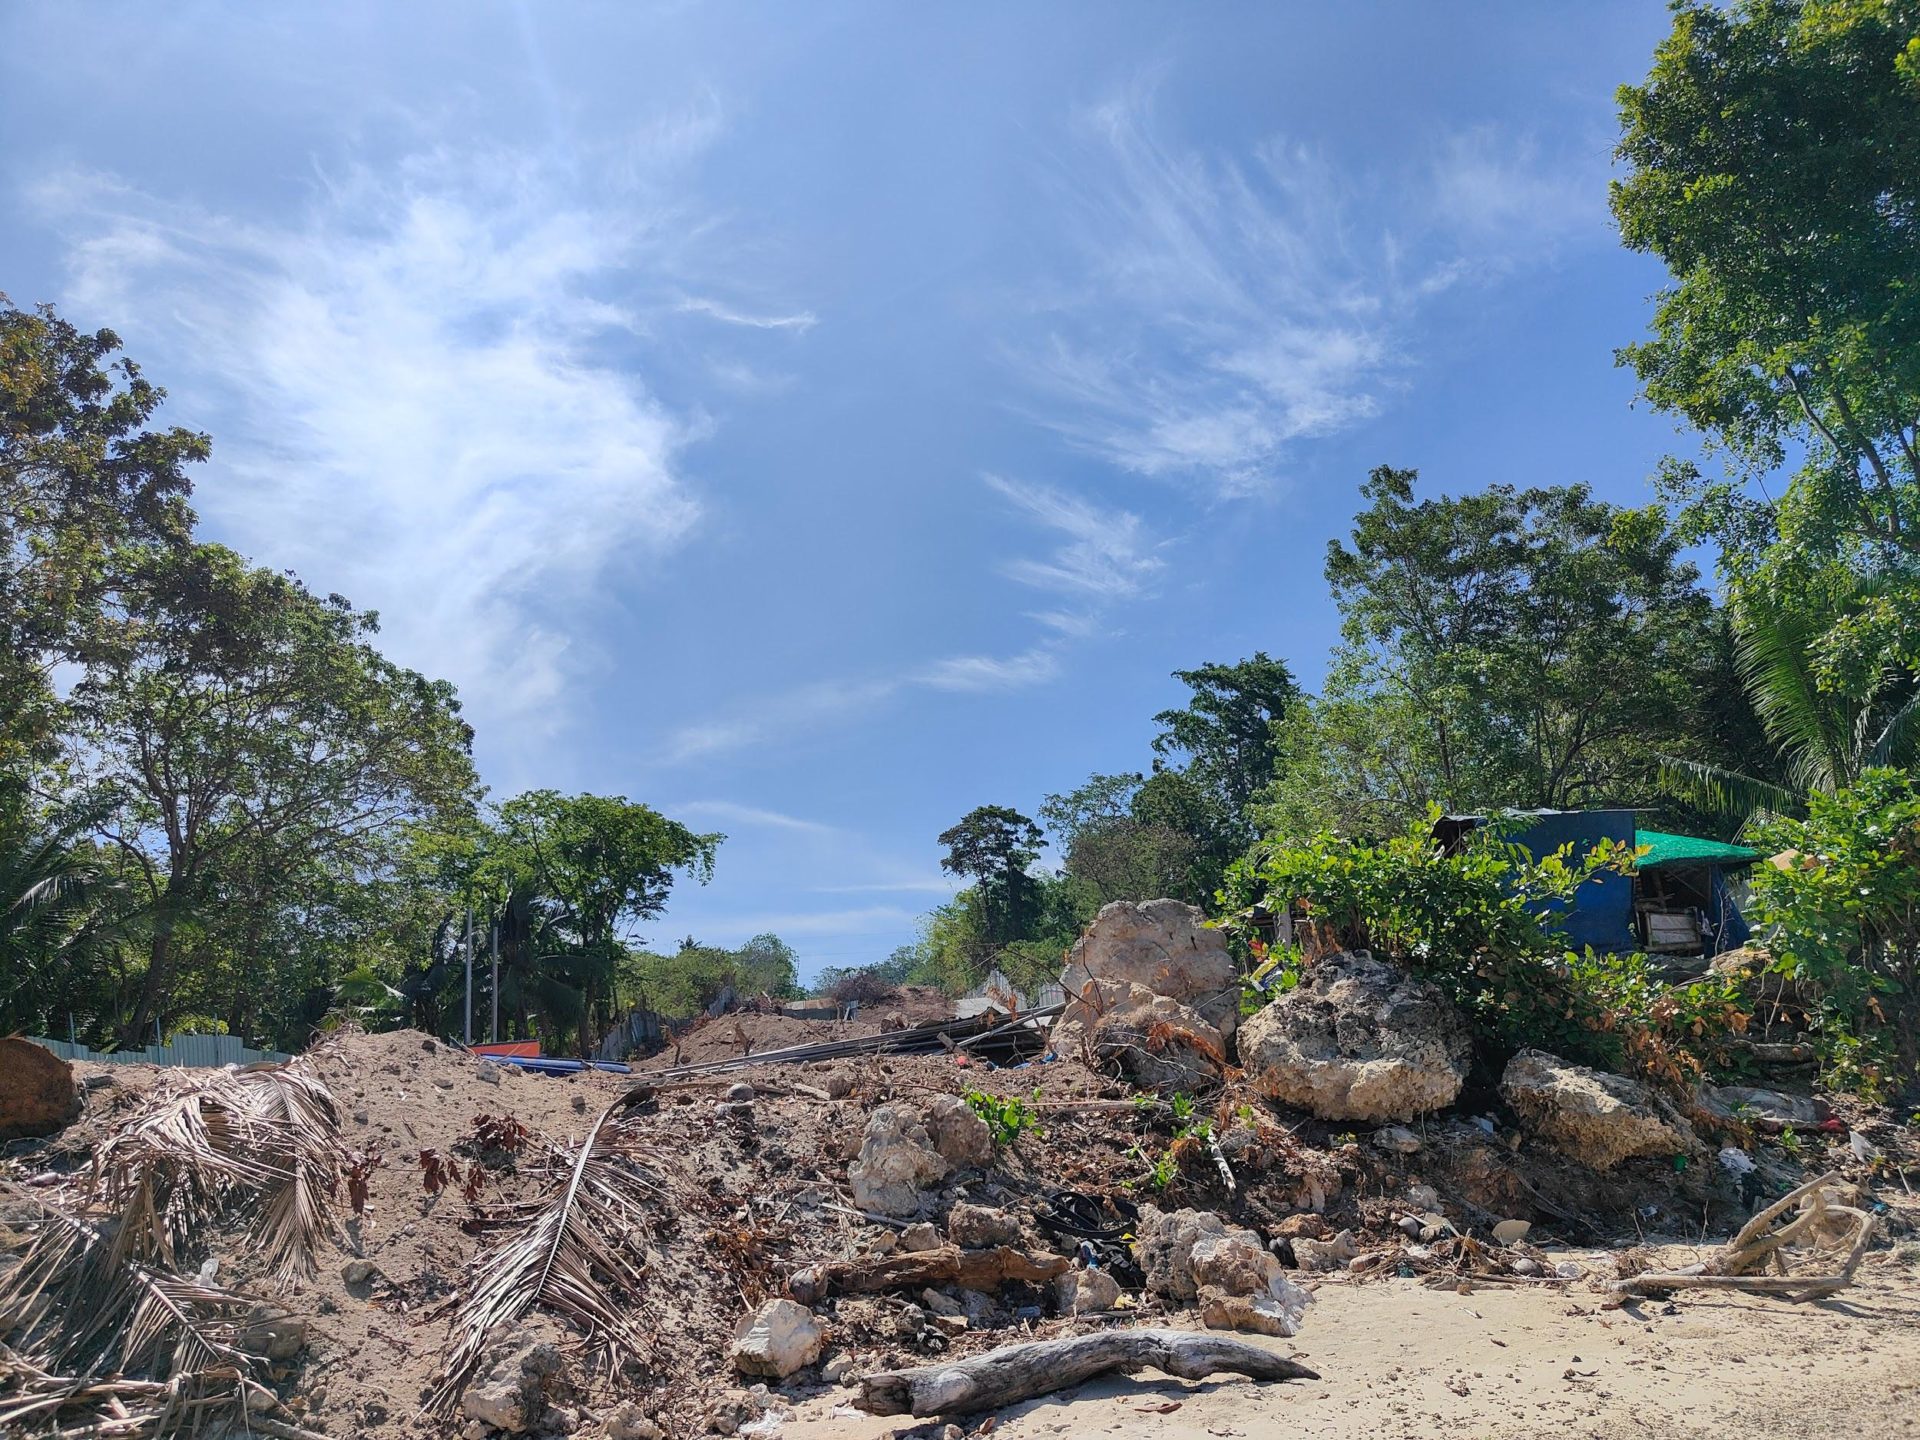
520 1049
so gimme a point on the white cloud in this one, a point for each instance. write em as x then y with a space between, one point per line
729 813
425 393
801 321
992 672
724 929
1234 306
1104 555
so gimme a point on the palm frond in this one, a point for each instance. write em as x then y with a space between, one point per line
1732 794
571 1257
1775 649
1899 738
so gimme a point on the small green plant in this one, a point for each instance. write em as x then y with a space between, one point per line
1182 1107
1007 1118
1245 1115
1790 1140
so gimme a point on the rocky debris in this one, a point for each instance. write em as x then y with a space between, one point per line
939 1303
1748 1102
778 1339
1359 1039
1397 1140
1163 946
977 1227
630 1422
922 1236
1082 1292
961 1137
896 1164
358 1272
1316 1256
37 1093
837 1082
1239 1284
521 1373
1597 1118
837 1370
740 1093
274 1334
1162 1044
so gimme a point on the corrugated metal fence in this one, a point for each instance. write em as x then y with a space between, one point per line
206 1051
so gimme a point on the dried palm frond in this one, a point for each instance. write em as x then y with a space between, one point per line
570 1254
299 1212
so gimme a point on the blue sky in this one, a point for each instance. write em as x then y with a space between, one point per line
818 420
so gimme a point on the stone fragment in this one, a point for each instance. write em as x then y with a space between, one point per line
979 1227
1597 1118
896 1164
962 1138
921 1236
778 1339
1359 1039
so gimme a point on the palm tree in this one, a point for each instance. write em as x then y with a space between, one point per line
1822 738
55 919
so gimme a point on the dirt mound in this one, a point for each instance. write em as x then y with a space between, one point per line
37 1093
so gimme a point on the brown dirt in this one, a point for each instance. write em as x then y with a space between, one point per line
752 1197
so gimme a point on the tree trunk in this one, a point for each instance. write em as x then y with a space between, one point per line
154 988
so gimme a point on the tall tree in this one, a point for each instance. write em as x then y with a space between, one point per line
1772 160
1226 728
994 845
1552 644
82 478
224 708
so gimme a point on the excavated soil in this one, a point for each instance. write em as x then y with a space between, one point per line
754 1193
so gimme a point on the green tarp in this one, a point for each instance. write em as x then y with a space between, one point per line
1665 849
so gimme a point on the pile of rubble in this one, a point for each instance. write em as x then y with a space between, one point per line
700 1253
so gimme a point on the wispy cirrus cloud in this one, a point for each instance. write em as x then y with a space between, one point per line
1104 555
1236 304
801 320
430 391
728 812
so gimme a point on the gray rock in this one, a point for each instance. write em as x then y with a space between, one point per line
358 1272
922 1236
938 1304
1082 1292
1164 946
275 1335
1359 1039
978 1227
741 1093
962 1138
778 1339
1597 1118
1397 1140
513 1388
896 1163
836 1370
630 1422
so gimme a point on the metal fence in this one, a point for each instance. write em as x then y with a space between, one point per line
204 1051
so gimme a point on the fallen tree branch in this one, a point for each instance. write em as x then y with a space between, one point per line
1019 1372
1760 1244
982 1270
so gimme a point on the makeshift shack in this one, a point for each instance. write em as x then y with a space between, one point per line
1682 897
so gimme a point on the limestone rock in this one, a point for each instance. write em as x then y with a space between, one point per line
1158 1041
923 1236
1321 1255
896 1163
630 1422
518 1376
963 1139
1163 1244
1597 1118
778 1339
978 1227
1163 946
1259 1314
1753 1103
1397 1140
37 1093
1359 1039
1081 1292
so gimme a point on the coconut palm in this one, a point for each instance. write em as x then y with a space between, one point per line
60 912
1822 737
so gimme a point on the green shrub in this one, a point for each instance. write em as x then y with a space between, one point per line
1471 920
1842 918
1007 1118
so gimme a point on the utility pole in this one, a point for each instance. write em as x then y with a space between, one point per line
493 1031
469 975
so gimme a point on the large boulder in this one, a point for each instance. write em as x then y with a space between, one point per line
778 1339
1164 946
37 1093
1159 1042
897 1163
1597 1118
1359 1039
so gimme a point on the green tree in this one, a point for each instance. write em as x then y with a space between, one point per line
1772 160
994 846
1134 837
223 708
607 863
1553 643
1227 732
82 478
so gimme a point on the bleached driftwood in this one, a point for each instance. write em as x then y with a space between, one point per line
1019 1372
1760 1243
983 1270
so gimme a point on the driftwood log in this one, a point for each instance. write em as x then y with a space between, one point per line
1759 1243
983 1270
1019 1372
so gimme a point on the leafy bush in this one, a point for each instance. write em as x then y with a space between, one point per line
1842 918
1477 921
1008 1118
